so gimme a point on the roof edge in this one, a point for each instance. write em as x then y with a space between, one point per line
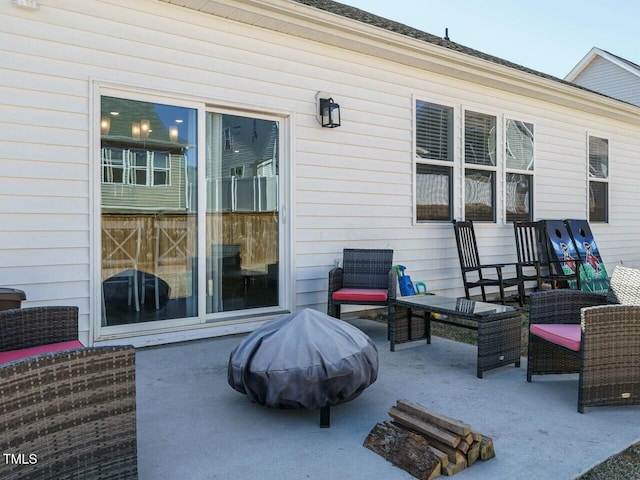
598 52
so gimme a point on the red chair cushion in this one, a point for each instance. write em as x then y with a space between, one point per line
568 336
356 295
11 355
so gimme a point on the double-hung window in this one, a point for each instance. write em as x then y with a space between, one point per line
598 179
480 166
519 157
434 161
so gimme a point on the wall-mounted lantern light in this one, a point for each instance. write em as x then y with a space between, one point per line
105 125
173 133
328 111
145 128
135 129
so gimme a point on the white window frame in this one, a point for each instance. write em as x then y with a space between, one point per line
507 170
106 163
452 165
486 168
592 179
166 170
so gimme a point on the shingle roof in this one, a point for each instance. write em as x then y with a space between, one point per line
359 15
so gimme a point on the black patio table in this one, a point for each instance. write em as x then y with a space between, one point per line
498 326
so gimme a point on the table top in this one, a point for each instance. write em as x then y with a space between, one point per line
459 307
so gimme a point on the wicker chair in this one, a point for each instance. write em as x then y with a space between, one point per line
68 413
35 326
365 278
596 336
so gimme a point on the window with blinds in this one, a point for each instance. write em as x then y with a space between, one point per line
434 161
480 152
598 179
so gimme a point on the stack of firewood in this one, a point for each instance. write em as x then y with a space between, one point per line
427 444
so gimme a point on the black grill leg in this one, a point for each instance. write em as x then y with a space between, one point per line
325 417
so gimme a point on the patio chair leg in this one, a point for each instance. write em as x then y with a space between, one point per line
325 417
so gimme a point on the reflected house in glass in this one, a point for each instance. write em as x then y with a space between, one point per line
141 169
145 182
149 178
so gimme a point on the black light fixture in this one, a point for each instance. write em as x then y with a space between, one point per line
328 111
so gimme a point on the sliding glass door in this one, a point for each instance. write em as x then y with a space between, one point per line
242 225
151 170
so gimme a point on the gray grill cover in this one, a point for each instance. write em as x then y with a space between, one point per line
303 360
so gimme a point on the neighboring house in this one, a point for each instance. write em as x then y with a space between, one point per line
608 74
164 168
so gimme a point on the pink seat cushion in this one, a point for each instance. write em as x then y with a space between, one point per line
29 352
356 295
567 336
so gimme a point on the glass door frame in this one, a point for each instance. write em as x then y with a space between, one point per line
100 333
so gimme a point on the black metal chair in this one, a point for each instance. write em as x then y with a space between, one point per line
365 278
536 261
472 269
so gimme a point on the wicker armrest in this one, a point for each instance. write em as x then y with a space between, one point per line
336 275
29 327
75 410
561 306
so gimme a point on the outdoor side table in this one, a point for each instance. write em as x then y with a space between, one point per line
498 326
11 298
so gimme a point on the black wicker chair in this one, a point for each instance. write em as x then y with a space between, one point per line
594 335
535 259
22 328
473 275
67 413
365 278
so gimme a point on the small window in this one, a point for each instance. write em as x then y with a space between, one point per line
138 171
434 161
114 165
479 194
480 152
519 197
598 179
161 167
519 157
237 171
227 140
433 192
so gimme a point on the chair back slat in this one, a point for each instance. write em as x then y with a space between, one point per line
467 245
367 268
529 242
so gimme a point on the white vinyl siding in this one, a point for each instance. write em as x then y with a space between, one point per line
351 186
601 75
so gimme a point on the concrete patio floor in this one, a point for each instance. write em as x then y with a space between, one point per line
192 425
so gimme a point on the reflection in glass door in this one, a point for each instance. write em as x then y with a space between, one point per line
242 224
148 167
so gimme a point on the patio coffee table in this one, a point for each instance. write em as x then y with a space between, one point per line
498 326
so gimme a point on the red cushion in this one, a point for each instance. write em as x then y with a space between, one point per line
360 295
29 352
566 335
